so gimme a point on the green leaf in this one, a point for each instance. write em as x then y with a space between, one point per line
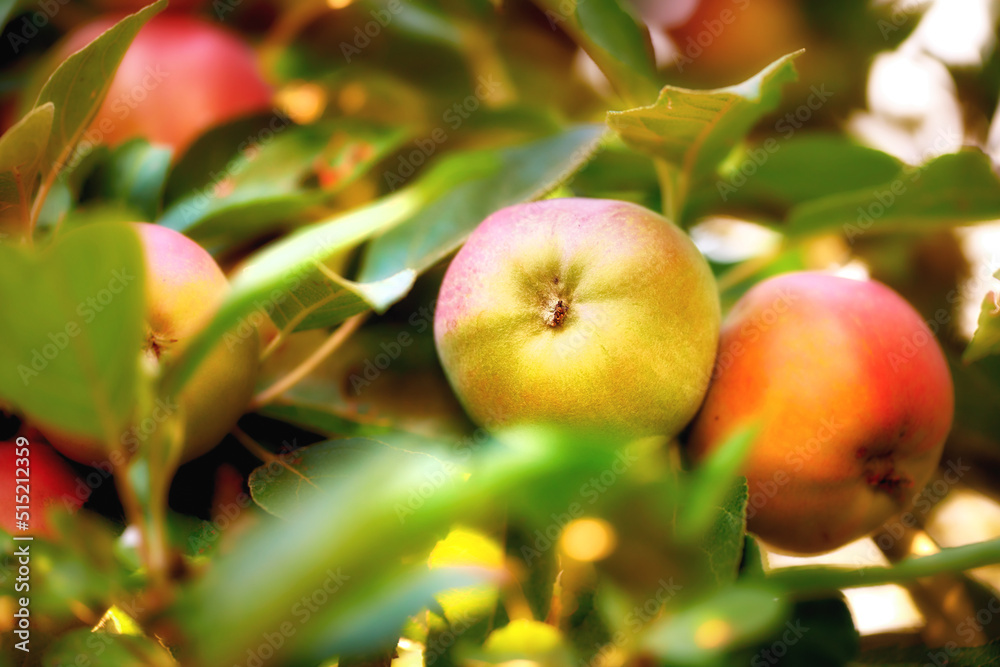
694 130
463 189
104 649
289 279
770 177
320 420
79 85
954 189
73 321
22 149
712 482
732 618
331 542
613 37
135 175
265 187
820 633
921 656
724 541
303 476
986 340
806 579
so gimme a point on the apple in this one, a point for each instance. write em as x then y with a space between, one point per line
184 287
50 481
584 315
181 76
728 40
854 400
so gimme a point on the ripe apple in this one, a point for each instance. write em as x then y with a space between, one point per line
184 286
586 315
50 481
180 76
854 398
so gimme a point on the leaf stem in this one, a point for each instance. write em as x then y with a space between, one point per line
297 374
254 447
812 579
670 194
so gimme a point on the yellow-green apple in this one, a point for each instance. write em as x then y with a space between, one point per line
184 287
180 76
854 400
33 478
587 315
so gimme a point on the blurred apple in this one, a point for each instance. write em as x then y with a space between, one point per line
855 401
184 287
181 76
725 41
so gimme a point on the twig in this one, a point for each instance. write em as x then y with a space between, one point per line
297 374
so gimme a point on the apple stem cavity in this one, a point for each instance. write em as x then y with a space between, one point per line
556 315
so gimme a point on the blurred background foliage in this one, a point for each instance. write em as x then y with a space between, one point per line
358 516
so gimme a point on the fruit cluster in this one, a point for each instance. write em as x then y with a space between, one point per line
584 315
601 316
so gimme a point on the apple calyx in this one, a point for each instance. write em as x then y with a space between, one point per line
157 345
880 472
556 315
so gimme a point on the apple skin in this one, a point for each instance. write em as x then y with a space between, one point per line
184 287
181 76
854 399
628 353
51 482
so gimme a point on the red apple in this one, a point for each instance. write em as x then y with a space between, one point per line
590 315
184 287
50 481
855 401
181 76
